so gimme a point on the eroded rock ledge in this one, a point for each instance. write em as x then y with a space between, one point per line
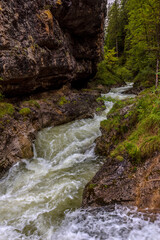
21 120
44 44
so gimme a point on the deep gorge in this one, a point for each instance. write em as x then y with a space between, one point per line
79 120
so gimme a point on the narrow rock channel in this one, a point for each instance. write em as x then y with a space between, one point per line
41 198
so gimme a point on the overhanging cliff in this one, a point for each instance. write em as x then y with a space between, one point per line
47 43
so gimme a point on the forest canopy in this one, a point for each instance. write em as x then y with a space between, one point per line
132 41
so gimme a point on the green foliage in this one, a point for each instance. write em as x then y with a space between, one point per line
98 109
110 99
25 111
145 77
6 109
137 133
133 31
116 31
119 158
104 99
106 74
110 58
124 73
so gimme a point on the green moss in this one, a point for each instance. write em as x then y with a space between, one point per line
98 109
63 101
32 103
105 99
119 158
110 99
6 109
25 111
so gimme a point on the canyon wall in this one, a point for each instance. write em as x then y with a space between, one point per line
47 43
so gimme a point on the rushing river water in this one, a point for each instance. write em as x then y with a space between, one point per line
40 198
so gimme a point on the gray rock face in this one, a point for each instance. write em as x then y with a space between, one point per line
47 43
121 183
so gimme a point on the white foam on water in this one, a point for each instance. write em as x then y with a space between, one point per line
101 224
35 194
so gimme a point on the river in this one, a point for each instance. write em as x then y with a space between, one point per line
40 198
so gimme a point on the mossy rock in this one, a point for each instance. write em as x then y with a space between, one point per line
25 111
63 101
6 109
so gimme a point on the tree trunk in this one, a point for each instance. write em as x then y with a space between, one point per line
157 69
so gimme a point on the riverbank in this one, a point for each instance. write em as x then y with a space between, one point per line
20 120
130 142
40 198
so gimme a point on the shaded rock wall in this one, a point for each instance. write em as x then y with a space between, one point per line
47 43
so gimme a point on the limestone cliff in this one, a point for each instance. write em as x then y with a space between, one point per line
44 44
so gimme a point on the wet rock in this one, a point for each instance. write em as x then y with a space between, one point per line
45 44
122 183
18 129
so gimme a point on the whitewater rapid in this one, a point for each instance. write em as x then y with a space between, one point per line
40 198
